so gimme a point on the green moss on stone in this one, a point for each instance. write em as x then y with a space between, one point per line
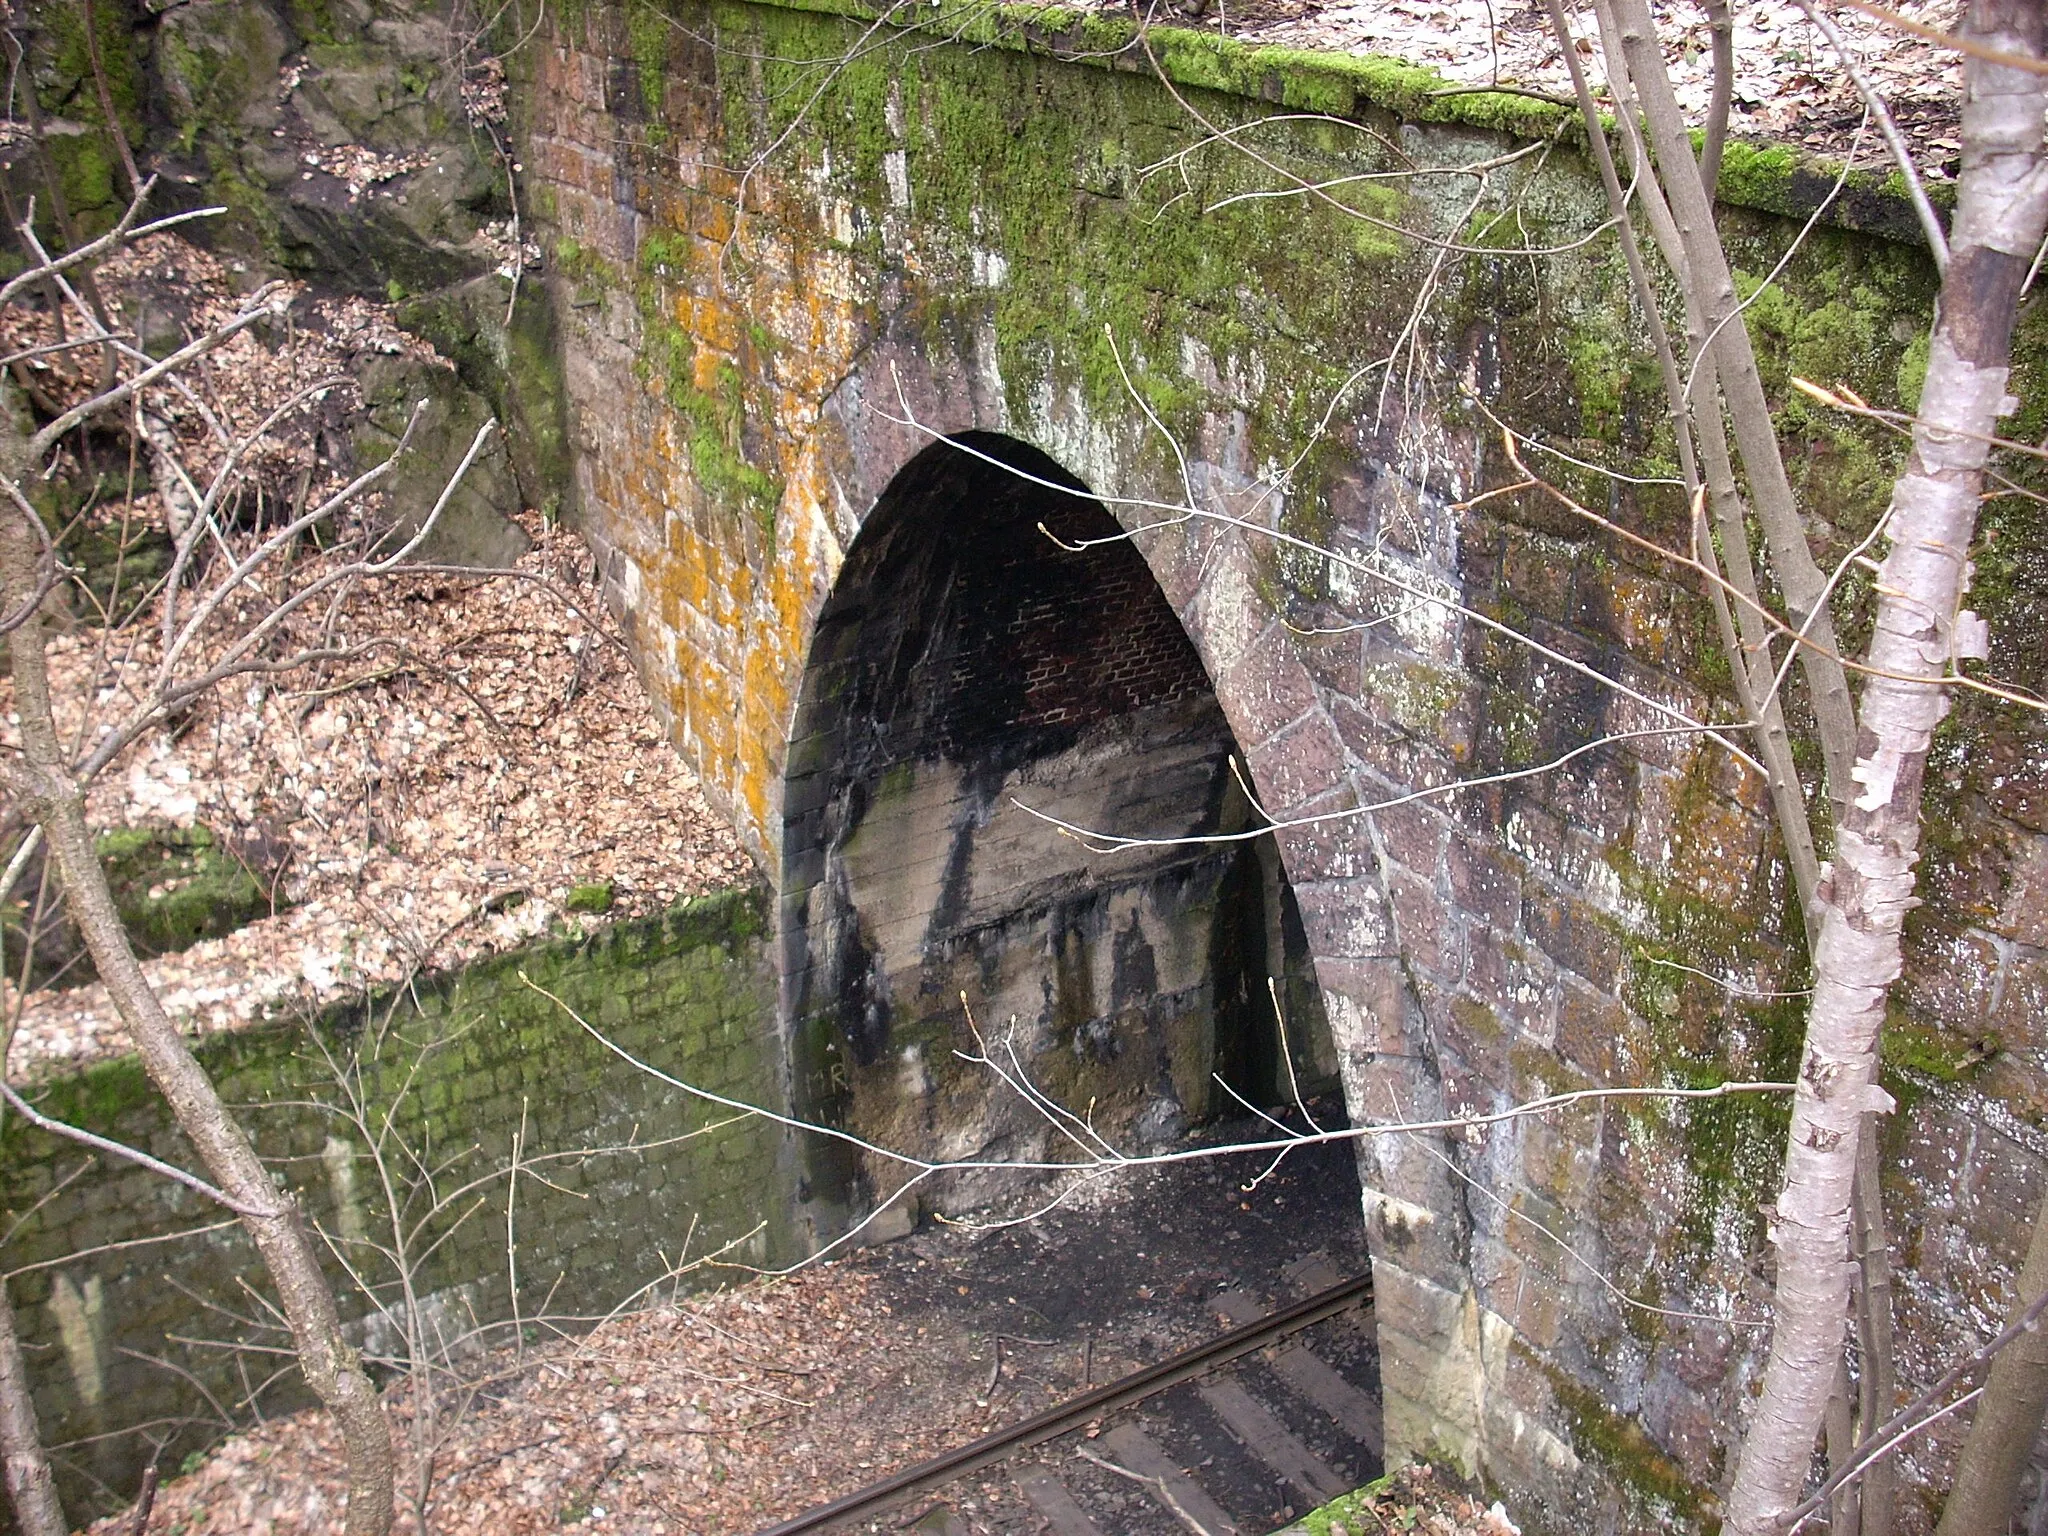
1756 175
103 1094
589 898
715 418
647 38
1417 696
517 367
1770 178
1732 1147
1515 725
1913 370
85 167
1665 1496
460 1065
86 162
1351 1510
1918 1057
175 887
589 276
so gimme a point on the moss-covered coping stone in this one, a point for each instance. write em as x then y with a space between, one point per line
1770 178
175 886
172 886
625 1177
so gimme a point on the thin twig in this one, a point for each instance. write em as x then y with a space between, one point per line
177 1175
1916 1415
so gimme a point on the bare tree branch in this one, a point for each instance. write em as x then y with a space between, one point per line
1920 629
141 1159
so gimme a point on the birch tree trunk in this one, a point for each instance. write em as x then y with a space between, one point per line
30 1487
2001 205
270 1215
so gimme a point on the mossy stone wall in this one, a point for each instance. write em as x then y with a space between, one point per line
762 255
625 1177
780 261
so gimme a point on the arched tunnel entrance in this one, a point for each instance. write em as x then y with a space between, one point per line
970 662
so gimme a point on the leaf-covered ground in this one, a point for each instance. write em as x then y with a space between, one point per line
474 752
1789 86
721 1414
438 798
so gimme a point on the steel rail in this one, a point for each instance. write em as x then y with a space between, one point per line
1076 1411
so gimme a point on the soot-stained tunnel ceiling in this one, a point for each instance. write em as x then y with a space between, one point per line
994 644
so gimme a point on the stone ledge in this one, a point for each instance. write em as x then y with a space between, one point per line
1768 178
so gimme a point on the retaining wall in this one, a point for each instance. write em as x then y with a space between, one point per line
625 1176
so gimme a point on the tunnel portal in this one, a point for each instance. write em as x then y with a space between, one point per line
992 643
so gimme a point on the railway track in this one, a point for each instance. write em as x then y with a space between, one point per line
1276 1415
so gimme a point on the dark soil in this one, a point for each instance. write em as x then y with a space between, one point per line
721 1415
1081 1296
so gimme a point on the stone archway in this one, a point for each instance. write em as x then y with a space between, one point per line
992 648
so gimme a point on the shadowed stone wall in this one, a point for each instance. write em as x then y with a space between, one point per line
124 1343
1025 238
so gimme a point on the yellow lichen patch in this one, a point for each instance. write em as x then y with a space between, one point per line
740 351
715 325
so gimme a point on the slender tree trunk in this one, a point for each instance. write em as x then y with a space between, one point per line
31 1489
1873 1327
2001 205
1845 1510
1710 284
115 130
2001 1443
30 1486
1744 640
271 1216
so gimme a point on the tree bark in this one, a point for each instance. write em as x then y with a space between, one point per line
1873 1327
272 1217
1987 1481
2001 206
1845 1510
1744 640
1710 284
30 1487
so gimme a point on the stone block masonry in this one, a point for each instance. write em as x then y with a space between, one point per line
760 268
128 1326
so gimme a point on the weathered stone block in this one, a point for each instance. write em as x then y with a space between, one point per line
1330 846
2002 1191
1590 1031
1427 932
1413 835
1484 884
2022 912
1954 981
1299 765
1268 686
1575 937
1346 919
1536 572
